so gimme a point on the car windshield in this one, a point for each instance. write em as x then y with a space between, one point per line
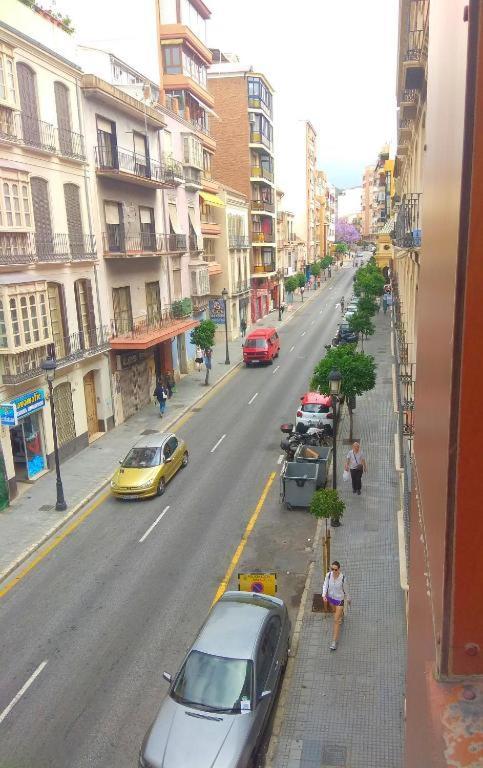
256 343
141 458
214 683
315 408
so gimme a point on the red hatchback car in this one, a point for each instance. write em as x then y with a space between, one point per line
261 346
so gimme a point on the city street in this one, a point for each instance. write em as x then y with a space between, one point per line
89 630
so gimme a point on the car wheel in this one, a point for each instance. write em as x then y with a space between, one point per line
161 487
185 460
270 362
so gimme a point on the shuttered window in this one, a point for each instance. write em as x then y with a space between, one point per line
28 314
58 319
64 413
86 318
173 219
177 290
121 304
62 106
153 301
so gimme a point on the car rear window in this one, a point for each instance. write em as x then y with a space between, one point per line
140 458
256 343
214 683
315 408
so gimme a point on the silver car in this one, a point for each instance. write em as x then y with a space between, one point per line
220 700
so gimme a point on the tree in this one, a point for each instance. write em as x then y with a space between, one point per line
341 248
327 504
291 284
346 232
203 336
358 373
315 269
361 323
367 306
301 279
369 280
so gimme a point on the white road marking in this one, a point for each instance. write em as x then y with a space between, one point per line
321 311
21 692
280 459
303 333
331 287
313 321
217 444
153 525
292 348
253 398
275 369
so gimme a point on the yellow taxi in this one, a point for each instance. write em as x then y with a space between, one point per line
149 466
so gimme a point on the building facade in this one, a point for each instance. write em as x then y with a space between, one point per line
245 161
349 205
367 202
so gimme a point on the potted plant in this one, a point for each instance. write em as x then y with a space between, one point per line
327 504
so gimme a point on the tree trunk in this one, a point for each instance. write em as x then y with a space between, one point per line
207 377
362 342
350 421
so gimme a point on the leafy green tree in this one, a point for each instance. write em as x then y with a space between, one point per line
358 373
327 504
301 279
203 336
315 269
367 306
361 323
291 284
369 281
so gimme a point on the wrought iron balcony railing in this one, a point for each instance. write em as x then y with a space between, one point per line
263 237
192 177
29 131
141 166
268 266
409 96
239 241
29 248
26 365
262 205
115 240
145 324
407 230
260 172
241 286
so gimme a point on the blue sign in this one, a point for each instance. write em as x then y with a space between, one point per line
8 415
21 406
217 311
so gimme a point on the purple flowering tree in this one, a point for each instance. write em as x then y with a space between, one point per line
346 232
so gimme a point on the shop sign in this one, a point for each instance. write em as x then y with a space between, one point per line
217 311
261 583
21 406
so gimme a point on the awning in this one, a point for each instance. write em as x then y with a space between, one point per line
212 199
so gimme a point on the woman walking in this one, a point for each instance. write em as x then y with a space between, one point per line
161 395
356 463
335 594
198 359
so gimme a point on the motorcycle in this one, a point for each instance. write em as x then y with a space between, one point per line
303 435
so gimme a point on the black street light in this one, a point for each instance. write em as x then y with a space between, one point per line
48 366
335 383
279 275
224 295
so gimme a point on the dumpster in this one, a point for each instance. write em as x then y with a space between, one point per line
305 454
298 483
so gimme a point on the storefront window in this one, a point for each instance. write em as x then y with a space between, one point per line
27 447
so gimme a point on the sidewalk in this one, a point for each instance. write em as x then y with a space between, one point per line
31 519
346 708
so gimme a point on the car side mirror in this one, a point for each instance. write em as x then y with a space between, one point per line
168 459
120 461
264 695
167 677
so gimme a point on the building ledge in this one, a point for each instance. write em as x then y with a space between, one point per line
152 336
94 86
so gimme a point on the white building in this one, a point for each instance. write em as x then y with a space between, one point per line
349 204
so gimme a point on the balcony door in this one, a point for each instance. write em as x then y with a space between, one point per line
148 238
153 302
141 155
86 318
27 88
58 319
114 227
44 239
107 143
64 125
121 305
74 219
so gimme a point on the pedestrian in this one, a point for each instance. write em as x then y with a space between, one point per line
161 395
170 384
384 303
356 463
335 594
198 359
243 327
282 307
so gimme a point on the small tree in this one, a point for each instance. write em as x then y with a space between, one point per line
361 323
328 505
203 336
301 279
341 248
367 306
358 373
291 284
315 269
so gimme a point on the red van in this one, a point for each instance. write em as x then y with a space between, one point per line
261 346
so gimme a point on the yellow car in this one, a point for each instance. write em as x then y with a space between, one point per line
149 465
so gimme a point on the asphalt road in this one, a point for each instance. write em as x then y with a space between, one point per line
86 635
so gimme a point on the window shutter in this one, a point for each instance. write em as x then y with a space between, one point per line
104 125
111 211
63 315
92 314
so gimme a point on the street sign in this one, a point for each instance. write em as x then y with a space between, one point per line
262 583
8 415
217 311
21 406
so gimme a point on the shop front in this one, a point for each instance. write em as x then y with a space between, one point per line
135 373
23 416
260 299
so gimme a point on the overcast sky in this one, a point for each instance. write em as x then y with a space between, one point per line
332 62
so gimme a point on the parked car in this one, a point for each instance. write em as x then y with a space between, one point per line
261 346
314 409
219 702
344 335
149 466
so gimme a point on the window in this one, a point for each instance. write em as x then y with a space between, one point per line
207 164
8 90
266 652
213 683
15 206
153 301
28 314
170 447
3 327
193 151
258 92
172 59
142 458
191 18
177 288
174 227
86 318
121 304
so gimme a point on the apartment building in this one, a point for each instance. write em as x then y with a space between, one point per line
50 303
231 254
245 161
383 189
367 201
332 209
286 250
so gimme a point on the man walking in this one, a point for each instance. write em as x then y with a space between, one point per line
160 394
243 327
356 463
335 594
384 303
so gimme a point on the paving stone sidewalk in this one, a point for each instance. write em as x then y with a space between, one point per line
31 518
345 708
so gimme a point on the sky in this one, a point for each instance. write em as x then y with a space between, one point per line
332 62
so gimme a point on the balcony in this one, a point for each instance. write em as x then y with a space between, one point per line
414 61
214 266
262 238
407 230
406 127
267 268
174 171
23 248
70 349
403 146
241 286
192 178
122 164
238 241
29 131
117 243
262 206
210 228
258 173
194 245
258 138
144 332
255 102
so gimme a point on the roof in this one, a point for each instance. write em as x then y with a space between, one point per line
153 441
316 397
232 629
260 332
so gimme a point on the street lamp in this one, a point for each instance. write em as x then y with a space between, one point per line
224 295
48 366
279 275
335 383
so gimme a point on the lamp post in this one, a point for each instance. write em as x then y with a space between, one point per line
335 383
224 295
48 366
279 275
